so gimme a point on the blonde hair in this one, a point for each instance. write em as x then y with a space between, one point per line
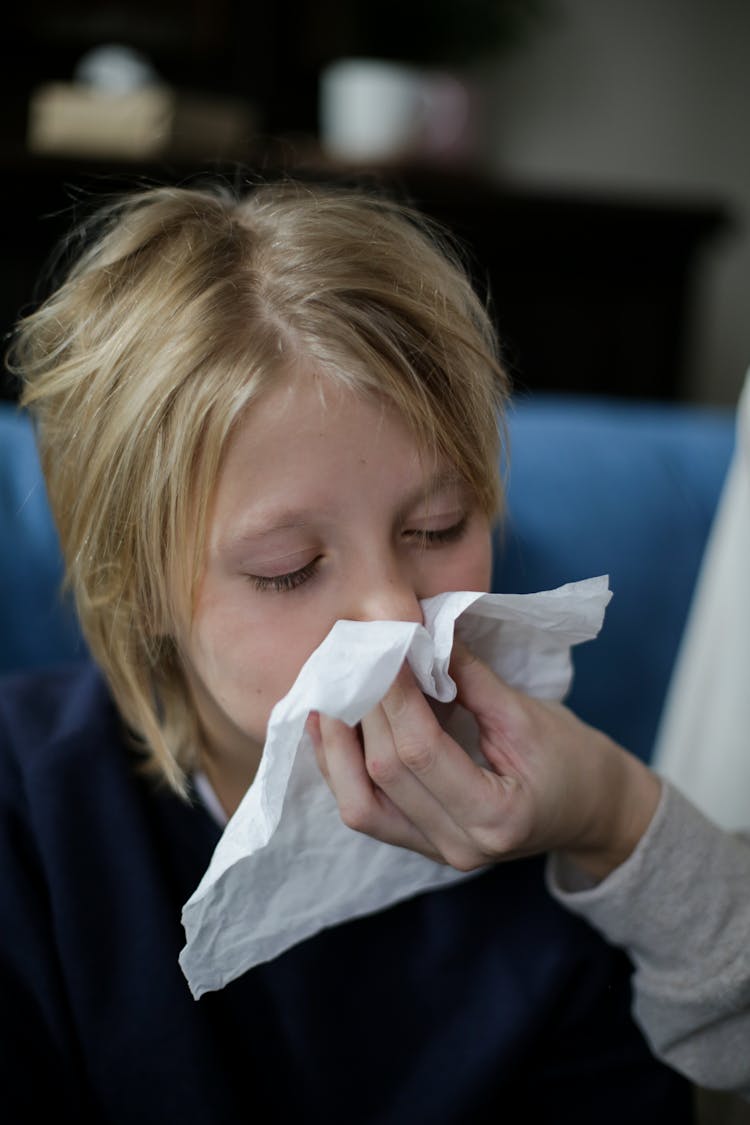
189 303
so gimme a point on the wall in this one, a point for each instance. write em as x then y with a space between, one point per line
650 96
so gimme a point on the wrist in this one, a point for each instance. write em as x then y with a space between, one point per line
626 795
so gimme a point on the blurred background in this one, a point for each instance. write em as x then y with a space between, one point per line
591 157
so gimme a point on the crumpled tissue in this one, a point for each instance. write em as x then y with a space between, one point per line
286 865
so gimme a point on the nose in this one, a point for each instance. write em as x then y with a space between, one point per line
384 593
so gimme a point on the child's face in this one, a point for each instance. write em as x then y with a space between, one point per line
323 510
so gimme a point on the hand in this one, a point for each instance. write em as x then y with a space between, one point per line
551 782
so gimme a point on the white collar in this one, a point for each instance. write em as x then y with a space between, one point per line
207 794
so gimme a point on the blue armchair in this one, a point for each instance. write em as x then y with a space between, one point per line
37 626
595 486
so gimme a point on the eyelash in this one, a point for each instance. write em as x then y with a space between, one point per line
437 538
281 583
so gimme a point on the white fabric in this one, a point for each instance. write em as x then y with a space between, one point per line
209 798
703 745
286 865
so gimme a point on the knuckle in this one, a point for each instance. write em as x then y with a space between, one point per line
506 834
383 771
418 756
357 815
463 858
492 842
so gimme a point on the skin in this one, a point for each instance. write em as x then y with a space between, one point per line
323 510
554 783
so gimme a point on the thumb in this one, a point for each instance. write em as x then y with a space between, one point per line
480 690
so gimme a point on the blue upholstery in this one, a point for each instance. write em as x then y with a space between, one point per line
627 489
37 626
595 487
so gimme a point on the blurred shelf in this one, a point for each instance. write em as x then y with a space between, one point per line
592 293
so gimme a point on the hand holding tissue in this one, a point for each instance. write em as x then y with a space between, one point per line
287 866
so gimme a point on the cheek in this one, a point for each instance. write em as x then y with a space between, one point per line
247 656
272 661
481 561
468 567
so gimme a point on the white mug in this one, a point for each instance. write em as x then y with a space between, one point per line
372 109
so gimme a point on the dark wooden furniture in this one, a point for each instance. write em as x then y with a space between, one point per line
591 293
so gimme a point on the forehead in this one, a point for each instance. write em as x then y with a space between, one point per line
310 443
308 414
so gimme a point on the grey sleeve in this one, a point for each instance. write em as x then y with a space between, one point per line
680 907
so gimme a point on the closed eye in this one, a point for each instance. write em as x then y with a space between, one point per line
436 537
283 582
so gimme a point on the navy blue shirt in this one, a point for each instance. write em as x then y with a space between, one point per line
483 1002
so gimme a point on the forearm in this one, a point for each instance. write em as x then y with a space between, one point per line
680 906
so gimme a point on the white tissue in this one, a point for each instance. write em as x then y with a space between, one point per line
287 866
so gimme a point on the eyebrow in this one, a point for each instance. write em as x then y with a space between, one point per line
283 520
294 519
440 481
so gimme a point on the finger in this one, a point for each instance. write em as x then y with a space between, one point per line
467 792
362 806
479 688
508 720
312 726
341 752
386 765
404 789
391 776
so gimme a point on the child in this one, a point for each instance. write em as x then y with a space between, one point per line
257 417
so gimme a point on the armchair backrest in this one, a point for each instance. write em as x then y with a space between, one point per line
627 489
37 625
